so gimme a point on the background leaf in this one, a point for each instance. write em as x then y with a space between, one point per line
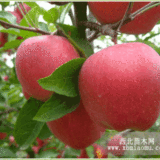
83 46
26 129
56 107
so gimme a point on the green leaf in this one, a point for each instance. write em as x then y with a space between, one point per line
48 154
5 4
51 15
7 17
56 107
45 132
11 31
64 9
11 45
82 45
43 26
2 99
6 153
64 80
5 129
27 34
26 129
34 14
52 28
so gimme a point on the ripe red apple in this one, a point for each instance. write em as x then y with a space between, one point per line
120 86
116 145
6 78
40 142
59 156
100 150
26 95
3 135
11 139
37 57
3 38
111 12
36 149
83 154
19 12
76 129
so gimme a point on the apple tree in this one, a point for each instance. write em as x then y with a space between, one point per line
78 78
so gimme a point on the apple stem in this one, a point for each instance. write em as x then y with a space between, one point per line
130 5
143 9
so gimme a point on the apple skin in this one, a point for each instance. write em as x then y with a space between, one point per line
101 149
3 135
120 86
3 38
83 154
111 12
19 12
26 95
143 23
76 129
6 78
36 149
37 57
108 12
119 141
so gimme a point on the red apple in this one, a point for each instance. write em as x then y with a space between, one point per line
11 139
37 57
19 12
108 12
36 149
40 142
54 148
111 12
26 95
116 145
3 38
99 151
83 154
59 156
76 129
120 86
6 78
3 135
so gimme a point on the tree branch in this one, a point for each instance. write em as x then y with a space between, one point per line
25 28
125 15
111 29
136 13
58 3
80 9
93 36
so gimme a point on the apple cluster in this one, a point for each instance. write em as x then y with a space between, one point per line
119 86
111 12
